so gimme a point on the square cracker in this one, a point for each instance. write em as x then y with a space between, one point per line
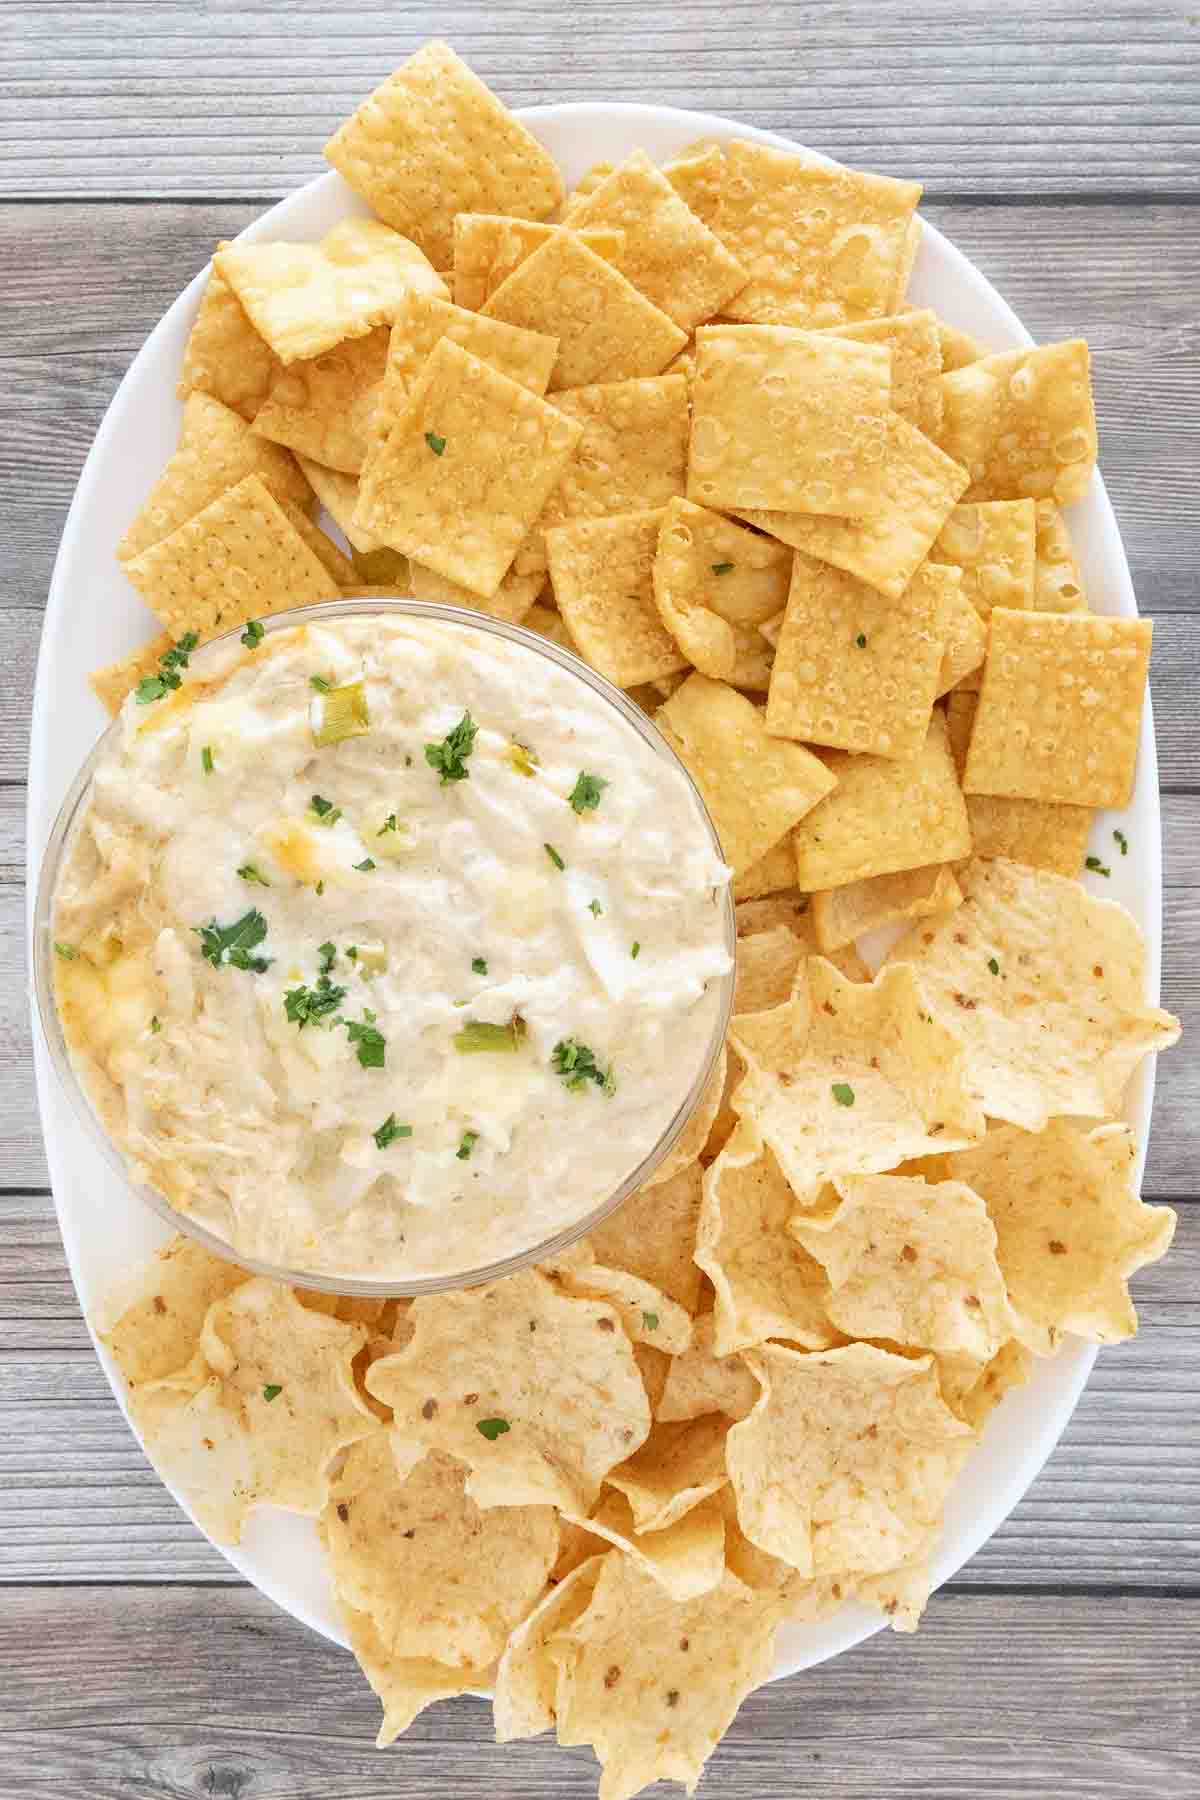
1057 579
239 559
1039 833
217 449
339 568
1023 424
462 509
920 483
305 298
667 252
488 247
1060 708
853 670
323 406
607 330
601 571
794 421
912 338
338 494
433 141
824 246
884 816
958 347
698 175
713 582
964 634
755 786
992 542
224 355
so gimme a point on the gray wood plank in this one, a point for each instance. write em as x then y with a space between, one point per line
213 1692
169 99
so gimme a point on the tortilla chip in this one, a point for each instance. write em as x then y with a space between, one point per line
405 1685
1071 1228
1043 985
901 1594
465 469
151 1321
824 246
653 1683
964 632
958 347
668 253
785 908
920 488
1037 832
884 816
1023 424
853 669
488 247
217 449
769 875
911 1262
712 577
112 683
523 1704
653 1235
607 330
601 571
700 1381
697 175
755 786
1058 582
647 1314
766 968
239 559
974 1391
438 1577
512 601
324 405
1060 708
765 1284
842 914
224 355
338 494
433 141
912 338
569 1390
845 1463
992 542
686 1559
587 184
652 1365
795 421
694 1135
676 1468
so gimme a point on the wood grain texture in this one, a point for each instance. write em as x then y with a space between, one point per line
1029 98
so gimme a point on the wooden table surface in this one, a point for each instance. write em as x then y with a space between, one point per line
1060 147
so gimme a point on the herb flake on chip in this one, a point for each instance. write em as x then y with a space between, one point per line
449 757
650 1321
635 950
595 908
253 635
861 640
585 795
68 952
843 1093
436 444
390 1130
722 568
272 1390
155 1025
491 1429
993 965
555 858
365 866
577 1065
232 944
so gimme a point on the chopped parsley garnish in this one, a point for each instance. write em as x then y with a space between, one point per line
478 965
861 641
555 858
449 757
320 889
466 1144
206 759
253 635
272 1390
389 1131
635 950
843 1093
585 795
320 683
155 1025
479 1035
365 866
577 1065
232 944
248 872
326 811
68 952
721 568
1094 863
389 824
522 758
313 1005
436 444
153 687
491 1429
328 955
993 965
370 1044
1123 841
650 1321
595 908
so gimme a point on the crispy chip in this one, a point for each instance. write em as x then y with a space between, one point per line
992 542
694 1135
239 559
465 469
686 1558
569 1390
907 262
1037 832
958 347
676 1468
338 494
700 1381
964 632
513 600
824 246
1060 708
433 141
712 577
224 355
607 330
795 421
653 1683
884 816
405 1685
527 1676
697 175
587 184
115 680
900 1594
1023 424
667 252
755 786
1070 1224
1058 583
912 338
488 247
217 449
921 486
647 1314
338 567
438 1577
766 968
1044 985
845 1463
911 1262
602 575
653 1235
842 914
258 1415
305 298
324 405
853 669
974 1391
765 1284
151 1321
771 873
784 908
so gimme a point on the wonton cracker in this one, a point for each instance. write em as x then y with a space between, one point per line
323 406
526 357
1058 583
912 338
713 582
769 875
338 494
602 575
992 542
1023 424
224 355
1038 832
965 637
488 247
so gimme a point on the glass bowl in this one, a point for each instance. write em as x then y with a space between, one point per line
58 848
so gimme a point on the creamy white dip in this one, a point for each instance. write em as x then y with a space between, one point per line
356 1134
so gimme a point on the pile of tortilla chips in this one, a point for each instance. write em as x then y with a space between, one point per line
683 422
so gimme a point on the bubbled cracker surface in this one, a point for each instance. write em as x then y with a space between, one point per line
433 141
711 579
1057 578
1060 708
224 355
992 542
324 405
912 338
1039 833
964 633
488 247
601 571
338 494
697 175
1022 423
